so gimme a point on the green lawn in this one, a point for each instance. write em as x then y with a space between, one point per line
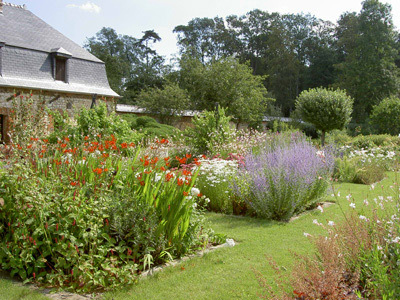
227 273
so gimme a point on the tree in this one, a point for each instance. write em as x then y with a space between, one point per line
227 82
131 63
366 43
166 103
386 116
326 109
108 46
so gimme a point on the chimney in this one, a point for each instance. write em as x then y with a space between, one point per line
1 7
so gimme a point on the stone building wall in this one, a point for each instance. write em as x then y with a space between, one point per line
54 100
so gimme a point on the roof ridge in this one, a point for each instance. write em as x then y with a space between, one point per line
14 5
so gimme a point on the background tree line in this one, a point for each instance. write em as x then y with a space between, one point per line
283 54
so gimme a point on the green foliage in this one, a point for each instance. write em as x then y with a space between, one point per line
131 63
149 126
166 103
386 116
92 122
325 109
357 170
26 111
366 44
89 216
374 140
227 82
209 129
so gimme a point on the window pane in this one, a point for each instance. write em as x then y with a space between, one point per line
60 69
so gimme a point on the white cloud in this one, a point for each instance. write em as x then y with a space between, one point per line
88 6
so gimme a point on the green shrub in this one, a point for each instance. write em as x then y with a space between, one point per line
209 129
357 170
325 109
92 217
90 123
386 116
370 141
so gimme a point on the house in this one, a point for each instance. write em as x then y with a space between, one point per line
37 59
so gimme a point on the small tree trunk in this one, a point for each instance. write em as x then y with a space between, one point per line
323 139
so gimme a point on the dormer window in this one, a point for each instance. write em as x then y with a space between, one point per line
60 69
60 58
2 44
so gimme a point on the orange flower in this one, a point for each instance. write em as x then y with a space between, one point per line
124 145
74 183
180 181
86 138
166 158
162 169
186 173
142 183
98 171
132 145
105 155
188 155
185 194
66 139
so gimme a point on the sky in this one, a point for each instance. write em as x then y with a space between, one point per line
80 19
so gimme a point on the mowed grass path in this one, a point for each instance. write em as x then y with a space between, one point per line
227 273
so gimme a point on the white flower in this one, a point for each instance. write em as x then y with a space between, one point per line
331 223
352 205
230 242
379 247
372 186
320 154
195 191
363 218
157 177
320 208
366 202
306 234
315 221
348 197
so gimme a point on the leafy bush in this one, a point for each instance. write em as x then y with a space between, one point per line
355 170
150 127
385 116
91 216
373 140
209 129
283 179
91 123
167 103
325 109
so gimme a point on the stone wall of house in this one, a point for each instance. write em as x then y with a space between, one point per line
54 100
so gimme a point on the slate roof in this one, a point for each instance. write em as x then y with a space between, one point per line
27 58
22 28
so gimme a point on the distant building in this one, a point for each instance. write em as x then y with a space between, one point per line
34 57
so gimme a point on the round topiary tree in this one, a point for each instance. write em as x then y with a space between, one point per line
326 109
385 116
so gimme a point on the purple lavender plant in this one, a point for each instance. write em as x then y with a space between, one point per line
283 178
